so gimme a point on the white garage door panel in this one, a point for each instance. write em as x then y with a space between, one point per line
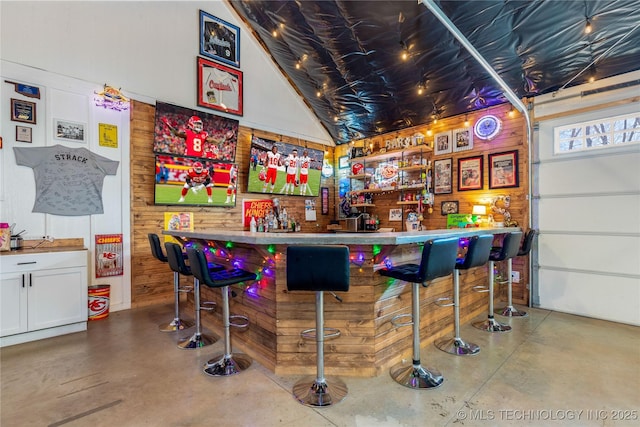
615 254
602 297
610 214
617 173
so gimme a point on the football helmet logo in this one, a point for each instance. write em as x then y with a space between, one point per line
195 124
197 166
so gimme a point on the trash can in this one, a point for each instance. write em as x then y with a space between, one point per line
99 301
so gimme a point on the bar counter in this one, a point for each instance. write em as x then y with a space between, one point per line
369 344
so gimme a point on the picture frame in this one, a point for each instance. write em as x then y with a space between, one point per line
24 134
442 143
503 169
470 173
395 215
443 176
66 130
324 200
23 111
448 207
219 87
343 162
462 139
219 40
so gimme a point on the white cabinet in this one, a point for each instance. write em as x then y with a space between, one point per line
42 295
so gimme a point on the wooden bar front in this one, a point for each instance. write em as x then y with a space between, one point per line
369 344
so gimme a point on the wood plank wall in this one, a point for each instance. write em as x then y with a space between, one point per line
512 137
151 280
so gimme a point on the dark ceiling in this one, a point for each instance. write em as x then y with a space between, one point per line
345 57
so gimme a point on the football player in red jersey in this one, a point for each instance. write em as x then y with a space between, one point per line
231 188
197 179
305 164
198 143
273 161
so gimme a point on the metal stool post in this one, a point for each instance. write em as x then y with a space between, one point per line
510 310
198 339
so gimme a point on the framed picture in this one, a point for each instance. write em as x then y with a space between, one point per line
23 111
343 162
219 40
442 143
462 139
443 176
449 207
66 130
470 173
23 134
395 214
503 169
324 200
219 87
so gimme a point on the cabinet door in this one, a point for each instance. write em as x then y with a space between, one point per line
13 303
57 297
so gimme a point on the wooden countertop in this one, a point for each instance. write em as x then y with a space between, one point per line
58 245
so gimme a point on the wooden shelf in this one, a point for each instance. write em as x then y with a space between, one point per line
413 168
362 205
360 176
370 190
413 202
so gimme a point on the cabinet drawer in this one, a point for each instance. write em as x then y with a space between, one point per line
27 262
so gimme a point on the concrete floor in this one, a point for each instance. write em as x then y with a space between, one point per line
552 369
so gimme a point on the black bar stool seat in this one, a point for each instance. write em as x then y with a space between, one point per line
319 268
438 260
510 310
477 255
508 250
227 363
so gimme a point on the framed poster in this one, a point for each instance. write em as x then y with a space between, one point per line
23 134
219 40
443 181
449 207
462 139
324 199
219 87
503 169
470 173
395 214
23 111
343 162
442 143
66 130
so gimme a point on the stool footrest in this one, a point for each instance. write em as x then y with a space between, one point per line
185 289
397 324
208 306
440 302
480 288
238 321
310 334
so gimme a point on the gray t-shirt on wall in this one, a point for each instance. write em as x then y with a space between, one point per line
68 180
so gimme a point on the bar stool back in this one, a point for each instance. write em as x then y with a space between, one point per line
477 255
177 323
227 363
438 260
319 268
508 250
177 264
510 310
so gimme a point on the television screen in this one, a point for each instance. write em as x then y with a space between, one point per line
187 181
281 168
182 131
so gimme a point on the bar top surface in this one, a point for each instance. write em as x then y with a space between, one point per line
338 238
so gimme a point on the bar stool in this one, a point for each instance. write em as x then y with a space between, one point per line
477 254
438 260
320 268
508 250
227 363
177 323
510 310
177 264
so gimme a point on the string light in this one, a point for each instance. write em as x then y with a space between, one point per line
588 28
511 112
466 120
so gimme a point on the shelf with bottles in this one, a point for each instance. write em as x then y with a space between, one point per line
418 149
412 202
362 205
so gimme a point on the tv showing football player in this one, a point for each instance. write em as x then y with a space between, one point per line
285 169
182 131
190 181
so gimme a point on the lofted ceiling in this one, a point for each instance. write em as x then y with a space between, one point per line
372 67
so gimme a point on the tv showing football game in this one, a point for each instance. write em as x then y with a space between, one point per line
188 181
285 169
182 131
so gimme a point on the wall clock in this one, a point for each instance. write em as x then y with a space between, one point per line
488 127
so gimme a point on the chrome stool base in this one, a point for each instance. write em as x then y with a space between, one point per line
311 392
227 365
416 377
196 341
457 346
491 325
510 311
176 324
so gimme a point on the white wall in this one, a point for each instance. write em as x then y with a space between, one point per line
587 208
